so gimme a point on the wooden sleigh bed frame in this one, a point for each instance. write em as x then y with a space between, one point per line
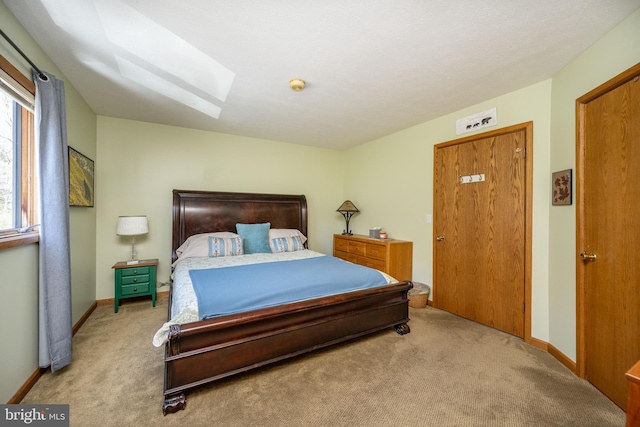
201 352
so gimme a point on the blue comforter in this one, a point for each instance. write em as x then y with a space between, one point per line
230 290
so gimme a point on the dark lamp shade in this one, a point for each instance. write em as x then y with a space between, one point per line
347 206
347 209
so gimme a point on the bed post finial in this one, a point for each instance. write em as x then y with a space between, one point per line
173 338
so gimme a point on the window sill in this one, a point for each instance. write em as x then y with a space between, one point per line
20 239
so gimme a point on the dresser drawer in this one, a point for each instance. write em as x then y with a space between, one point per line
132 280
372 263
358 248
341 245
376 251
135 271
346 256
128 290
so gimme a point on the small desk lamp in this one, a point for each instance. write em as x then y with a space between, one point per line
132 226
347 209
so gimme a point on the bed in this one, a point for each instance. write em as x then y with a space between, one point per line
203 351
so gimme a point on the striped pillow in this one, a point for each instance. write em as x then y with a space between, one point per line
286 244
219 246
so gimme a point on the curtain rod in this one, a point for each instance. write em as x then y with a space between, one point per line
42 75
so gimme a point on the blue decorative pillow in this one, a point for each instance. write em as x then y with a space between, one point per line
219 246
255 237
286 244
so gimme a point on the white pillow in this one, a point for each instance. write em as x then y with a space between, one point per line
198 244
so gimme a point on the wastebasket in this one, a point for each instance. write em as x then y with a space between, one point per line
419 295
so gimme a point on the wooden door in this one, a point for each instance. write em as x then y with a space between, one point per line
609 234
481 228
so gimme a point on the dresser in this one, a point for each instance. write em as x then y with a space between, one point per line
134 280
394 257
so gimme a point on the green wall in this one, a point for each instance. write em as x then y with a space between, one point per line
19 315
391 182
141 163
616 52
19 266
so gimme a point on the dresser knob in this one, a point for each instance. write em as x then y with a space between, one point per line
135 279
135 289
135 271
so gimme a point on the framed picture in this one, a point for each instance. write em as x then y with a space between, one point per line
80 179
561 188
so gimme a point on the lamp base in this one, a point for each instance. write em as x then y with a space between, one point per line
347 233
133 258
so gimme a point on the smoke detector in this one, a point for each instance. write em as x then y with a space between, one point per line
297 84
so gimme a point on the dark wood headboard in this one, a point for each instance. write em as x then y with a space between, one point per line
196 212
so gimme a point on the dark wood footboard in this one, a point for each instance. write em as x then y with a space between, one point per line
202 352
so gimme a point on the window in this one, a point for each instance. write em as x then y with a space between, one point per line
18 202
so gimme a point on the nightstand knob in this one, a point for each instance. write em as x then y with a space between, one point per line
135 279
135 289
135 271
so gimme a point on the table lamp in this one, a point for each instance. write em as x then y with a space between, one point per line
132 226
347 209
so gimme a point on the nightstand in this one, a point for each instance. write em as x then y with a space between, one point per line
134 280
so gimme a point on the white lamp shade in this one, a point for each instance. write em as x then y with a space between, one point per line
132 225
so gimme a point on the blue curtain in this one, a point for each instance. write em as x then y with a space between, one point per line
55 328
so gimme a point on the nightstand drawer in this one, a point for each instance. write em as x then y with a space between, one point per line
132 280
135 271
128 290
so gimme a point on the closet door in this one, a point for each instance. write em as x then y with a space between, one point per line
608 271
480 228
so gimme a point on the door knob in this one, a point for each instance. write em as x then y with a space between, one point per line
588 257
440 238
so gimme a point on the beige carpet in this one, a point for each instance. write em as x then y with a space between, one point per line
447 372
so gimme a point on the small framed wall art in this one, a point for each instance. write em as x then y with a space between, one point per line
561 194
80 179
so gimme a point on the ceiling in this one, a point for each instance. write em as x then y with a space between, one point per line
372 67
